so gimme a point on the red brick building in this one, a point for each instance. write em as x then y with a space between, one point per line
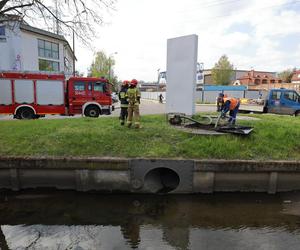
259 80
296 77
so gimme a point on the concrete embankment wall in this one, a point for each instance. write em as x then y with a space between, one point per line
149 175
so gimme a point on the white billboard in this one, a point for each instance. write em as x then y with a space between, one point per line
181 71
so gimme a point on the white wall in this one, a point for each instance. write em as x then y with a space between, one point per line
30 51
181 71
20 51
10 50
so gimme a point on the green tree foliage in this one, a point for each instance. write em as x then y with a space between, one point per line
286 75
102 66
222 72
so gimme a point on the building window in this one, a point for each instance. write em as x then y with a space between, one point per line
46 65
67 64
48 49
2 34
2 31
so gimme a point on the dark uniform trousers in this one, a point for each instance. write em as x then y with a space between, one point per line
123 115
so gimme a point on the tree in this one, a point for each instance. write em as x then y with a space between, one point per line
286 75
103 65
78 16
222 72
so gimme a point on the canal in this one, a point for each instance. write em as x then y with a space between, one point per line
74 220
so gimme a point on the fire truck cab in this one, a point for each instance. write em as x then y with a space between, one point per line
32 95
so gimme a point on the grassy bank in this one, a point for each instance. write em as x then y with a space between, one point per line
275 137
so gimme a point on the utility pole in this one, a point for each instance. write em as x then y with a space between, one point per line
74 58
158 78
110 66
56 14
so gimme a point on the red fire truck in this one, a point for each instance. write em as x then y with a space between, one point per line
32 95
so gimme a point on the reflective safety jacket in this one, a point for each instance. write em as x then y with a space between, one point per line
122 97
133 96
230 104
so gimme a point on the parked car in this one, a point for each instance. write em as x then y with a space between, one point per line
114 97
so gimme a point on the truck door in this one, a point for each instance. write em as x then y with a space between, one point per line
274 102
289 102
101 93
82 92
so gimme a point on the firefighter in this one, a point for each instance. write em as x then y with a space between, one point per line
124 102
133 97
232 105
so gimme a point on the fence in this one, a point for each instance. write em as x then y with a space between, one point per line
208 96
152 95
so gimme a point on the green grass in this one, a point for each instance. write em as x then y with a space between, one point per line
275 137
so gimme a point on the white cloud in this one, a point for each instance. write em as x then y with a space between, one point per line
140 28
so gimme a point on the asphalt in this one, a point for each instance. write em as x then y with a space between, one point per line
147 107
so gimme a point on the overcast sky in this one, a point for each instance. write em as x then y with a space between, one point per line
259 34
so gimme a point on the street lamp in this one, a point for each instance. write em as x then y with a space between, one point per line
158 78
109 65
73 33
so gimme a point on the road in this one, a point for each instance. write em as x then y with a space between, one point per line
147 107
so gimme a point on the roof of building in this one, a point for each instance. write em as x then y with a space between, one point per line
247 70
296 75
257 74
35 30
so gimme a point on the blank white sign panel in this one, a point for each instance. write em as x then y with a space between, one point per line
181 74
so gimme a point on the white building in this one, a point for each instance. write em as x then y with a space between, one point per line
26 48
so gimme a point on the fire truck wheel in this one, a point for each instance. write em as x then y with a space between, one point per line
25 113
92 111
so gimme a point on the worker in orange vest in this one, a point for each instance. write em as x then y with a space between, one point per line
229 104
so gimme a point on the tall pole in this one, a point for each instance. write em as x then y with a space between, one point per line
109 70
74 71
110 66
158 78
56 13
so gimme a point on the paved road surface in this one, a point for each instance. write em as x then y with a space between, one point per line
147 107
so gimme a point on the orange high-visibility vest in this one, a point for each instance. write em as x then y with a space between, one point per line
233 102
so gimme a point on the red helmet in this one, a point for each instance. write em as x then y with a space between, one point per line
134 82
125 83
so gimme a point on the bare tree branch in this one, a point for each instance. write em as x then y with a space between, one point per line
16 7
3 3
78 16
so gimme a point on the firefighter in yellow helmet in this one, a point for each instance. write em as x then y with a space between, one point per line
124 102
133 97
